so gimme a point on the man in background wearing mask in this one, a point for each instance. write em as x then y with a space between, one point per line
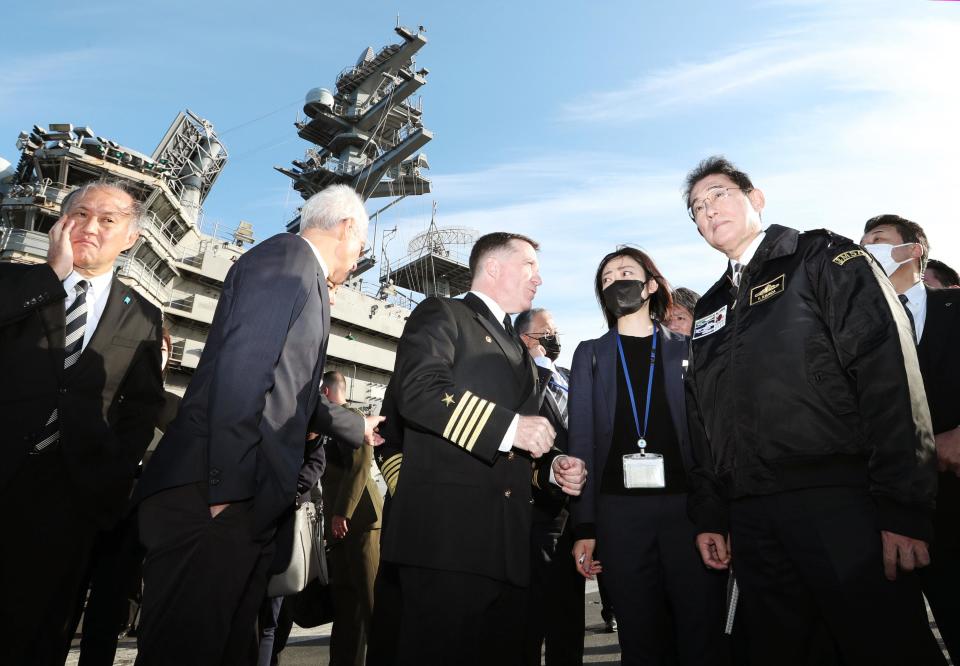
813 449
556 612
901 247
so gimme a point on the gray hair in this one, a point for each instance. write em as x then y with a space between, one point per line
331 206
685 298
137 211
524 320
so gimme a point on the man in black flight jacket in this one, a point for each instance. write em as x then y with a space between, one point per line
811 436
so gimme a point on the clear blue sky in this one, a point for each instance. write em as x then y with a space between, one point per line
573 122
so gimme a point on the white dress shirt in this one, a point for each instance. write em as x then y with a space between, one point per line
316 253
917 302
499 313
98 292
751 250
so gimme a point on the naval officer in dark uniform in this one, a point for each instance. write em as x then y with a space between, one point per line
459 525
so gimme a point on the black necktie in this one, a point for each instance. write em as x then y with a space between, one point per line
511 331
913 327
76 325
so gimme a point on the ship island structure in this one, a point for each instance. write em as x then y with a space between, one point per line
368 134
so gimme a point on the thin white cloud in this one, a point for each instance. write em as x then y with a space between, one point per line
27 76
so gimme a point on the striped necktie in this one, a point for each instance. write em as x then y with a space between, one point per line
76 325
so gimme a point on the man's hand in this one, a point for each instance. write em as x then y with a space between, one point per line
583 556
370 434
909 553
339 527
60 251
534 434
570 473
714 550
217 509
948 451
537 351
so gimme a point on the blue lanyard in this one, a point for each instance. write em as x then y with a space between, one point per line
642 443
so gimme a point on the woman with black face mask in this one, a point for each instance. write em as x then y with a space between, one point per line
628 423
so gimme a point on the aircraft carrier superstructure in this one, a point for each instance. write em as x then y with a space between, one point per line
367 134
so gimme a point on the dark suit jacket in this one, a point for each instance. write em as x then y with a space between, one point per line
593 404
107 402
460 504
243 421
548 500
939 357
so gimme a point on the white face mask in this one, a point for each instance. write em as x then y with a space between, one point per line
883 253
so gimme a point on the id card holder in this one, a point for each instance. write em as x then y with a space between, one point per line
643 471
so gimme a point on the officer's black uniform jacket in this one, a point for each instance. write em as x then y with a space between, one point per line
459 504
807 376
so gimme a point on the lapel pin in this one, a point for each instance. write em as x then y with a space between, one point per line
488 339
126 300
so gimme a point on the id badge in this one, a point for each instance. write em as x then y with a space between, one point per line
643 471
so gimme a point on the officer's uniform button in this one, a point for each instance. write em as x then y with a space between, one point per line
507 492
511 455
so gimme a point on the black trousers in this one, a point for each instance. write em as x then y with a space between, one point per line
384 638
669 607
459 619
114 580
555 613
43 562
810 560
941 580
204 579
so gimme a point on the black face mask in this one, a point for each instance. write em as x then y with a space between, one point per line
623 297
551 345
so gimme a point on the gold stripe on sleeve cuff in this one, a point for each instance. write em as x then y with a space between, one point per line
456 414
481 424
468 411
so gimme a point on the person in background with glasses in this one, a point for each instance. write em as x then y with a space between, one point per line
556 606
680 318
628 423
813 449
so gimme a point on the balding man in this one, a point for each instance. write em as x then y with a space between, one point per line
80 360
467 394
225 472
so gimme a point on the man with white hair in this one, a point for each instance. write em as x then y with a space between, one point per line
81 388
224 476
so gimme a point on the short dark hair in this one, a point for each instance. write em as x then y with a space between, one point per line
660 300
910 232
716 164
331 377
498 240
685 298
947 276
524 320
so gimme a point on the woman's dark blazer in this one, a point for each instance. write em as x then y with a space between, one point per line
593 403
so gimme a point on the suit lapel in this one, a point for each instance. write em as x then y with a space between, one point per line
673 354
607 359
114 316
522 366
934 327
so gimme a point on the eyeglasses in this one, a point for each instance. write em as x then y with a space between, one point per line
712 197
538 336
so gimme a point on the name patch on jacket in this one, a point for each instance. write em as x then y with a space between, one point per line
710 324
767 290
844 257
